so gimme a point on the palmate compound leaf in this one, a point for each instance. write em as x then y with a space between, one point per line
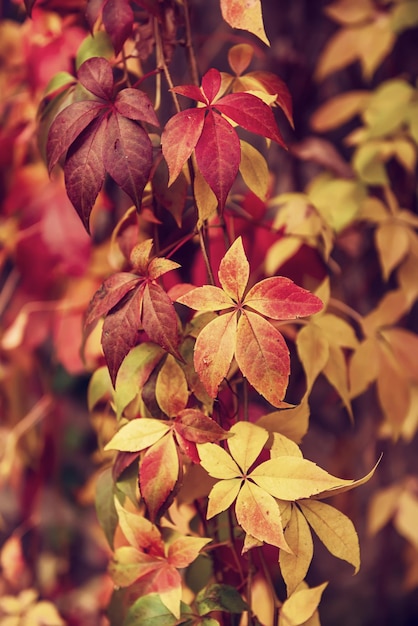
259 347
212 136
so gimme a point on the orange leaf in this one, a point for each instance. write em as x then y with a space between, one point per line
158 474
234 271
214 350
262 356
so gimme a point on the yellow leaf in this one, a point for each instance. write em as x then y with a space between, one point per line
382 507
171 390
406 517
282 446
410 425
43 613
391 307
374 42
294 566
338 110
339 51
392 243
350 11
407 279
393 391
138 434
247 443
292 478
301 606
222 495
387 107
355 483
217 462
337 200
254 170
368 162
334 529
239 57
336 372
313 350
280 252
205 198
363 367
337 330
405 153
292 422
246 15
404 345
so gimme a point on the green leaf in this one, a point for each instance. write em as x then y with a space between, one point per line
97 45
105 506
151 611
218 597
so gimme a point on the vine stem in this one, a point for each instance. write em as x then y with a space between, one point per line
189 46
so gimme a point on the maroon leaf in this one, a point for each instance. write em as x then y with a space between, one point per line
197 427
159 319
252 114
120 332
211 84
218 155
110 293
136 105
127 156
93 9
118 19
67 126
275 85
96 76
84 170
179 139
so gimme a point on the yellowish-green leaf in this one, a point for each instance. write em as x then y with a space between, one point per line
336 372
137 435
406 517
405 153
338 110
254 170
412 117
334 529
404 15
171 390
313 350
387 107
294 567
223 495
100 386
283 446
94 45
338 200
217 462
301 605
292 478
368 162
247 443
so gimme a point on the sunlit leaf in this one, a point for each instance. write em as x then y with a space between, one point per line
246 16
300 606
279 298
334 529
137 435
222 495
254 170
234 271
294 565
217 462
184 550
158 474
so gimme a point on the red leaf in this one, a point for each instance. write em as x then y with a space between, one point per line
136 105
96 76
234 271
118 19
127 156
214 349
191 91
262 356
279 298
218 154
158 474
109 294
211 84
120 332
159 319
197 427
252 114
272 84
179 139
84 170
67 126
